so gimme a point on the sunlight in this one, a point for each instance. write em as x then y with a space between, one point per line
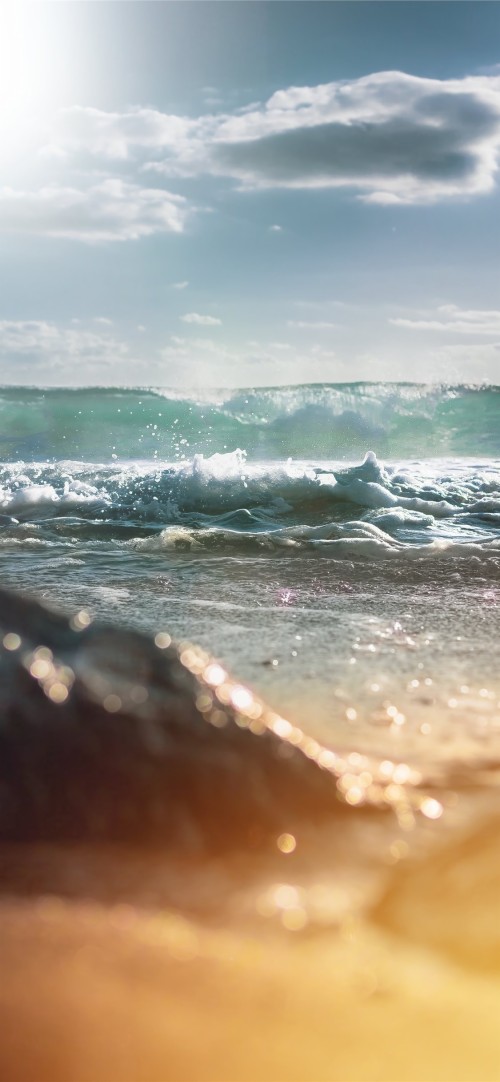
31 65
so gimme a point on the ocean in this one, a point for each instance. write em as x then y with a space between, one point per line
336 546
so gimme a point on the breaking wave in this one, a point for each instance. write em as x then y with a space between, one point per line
319 421
226 502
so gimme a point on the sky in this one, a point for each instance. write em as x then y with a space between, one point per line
223 193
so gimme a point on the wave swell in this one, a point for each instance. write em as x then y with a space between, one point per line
320 421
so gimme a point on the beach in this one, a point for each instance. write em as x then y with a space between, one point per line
357 594
124 992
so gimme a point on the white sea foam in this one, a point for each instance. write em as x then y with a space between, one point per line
226 500
27 498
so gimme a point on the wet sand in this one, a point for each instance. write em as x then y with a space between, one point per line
407 993
103 981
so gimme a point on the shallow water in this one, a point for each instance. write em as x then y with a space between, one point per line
358 594
361 600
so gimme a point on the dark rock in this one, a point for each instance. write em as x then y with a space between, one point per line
105 737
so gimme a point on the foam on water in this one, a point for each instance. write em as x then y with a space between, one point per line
225 501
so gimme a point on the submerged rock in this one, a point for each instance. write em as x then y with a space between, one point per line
110 735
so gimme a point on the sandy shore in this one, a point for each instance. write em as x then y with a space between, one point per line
120 993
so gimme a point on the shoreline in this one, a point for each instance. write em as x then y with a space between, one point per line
366 950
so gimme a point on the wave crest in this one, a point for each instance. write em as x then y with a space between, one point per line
320 421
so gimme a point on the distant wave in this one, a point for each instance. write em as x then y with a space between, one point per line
318 421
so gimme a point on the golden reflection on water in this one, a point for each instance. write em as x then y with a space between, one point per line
359 780
286 843
80 621
55 678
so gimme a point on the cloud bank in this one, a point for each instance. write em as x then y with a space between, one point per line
391 137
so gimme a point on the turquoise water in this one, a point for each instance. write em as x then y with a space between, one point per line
337 546
321 420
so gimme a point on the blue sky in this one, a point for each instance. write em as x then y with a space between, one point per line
241 193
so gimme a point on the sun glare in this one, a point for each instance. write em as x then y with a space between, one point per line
31 66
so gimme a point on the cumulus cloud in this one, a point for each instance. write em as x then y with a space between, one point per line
112 210
43 343
392 137
451 318
180 285
202 321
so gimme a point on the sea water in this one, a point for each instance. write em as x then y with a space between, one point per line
335 546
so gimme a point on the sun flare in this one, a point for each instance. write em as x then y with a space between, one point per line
32 64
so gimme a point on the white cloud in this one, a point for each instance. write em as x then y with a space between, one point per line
40 343
111 210
455 320
202 321
104 320
275 228
392 137
180 285
119 135
315 325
